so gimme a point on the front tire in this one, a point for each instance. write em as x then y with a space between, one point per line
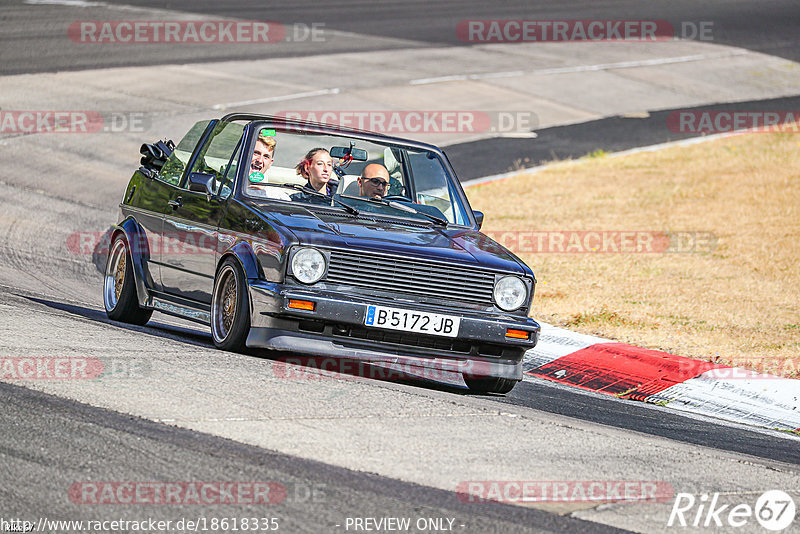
230 307
490 385
119 288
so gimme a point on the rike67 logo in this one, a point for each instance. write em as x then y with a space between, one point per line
774 510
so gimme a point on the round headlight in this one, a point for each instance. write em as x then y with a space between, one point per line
308 265
510 293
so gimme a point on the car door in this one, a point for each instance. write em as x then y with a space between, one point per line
188 255
150 201
145 201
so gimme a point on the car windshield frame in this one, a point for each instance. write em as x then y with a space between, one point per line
256 124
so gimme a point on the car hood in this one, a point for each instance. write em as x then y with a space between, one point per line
383 235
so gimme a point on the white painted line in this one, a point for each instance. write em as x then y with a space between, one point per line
70 3
282 98
556 164
684 142
513 174
517 135
440 79
462 77
640 63
489 135
509 74
580 68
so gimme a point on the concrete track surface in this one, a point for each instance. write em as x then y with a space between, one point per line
174 409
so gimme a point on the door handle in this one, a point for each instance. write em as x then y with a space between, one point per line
177 203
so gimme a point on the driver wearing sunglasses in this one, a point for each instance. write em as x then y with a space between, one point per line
374 181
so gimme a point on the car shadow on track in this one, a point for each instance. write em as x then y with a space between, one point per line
155 328
291 367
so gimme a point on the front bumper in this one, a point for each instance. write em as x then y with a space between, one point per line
336 328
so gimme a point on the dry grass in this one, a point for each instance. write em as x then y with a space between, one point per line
738 304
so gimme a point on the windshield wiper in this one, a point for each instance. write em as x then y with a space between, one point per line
401 207
297 187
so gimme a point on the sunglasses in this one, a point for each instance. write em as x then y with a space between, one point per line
377 182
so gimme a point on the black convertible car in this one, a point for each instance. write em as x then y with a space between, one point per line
322 241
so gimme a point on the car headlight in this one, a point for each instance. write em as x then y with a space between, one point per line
308 265
510 293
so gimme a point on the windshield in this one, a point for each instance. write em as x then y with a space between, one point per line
318 170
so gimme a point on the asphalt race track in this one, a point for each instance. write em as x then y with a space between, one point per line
769 26
177 410
316 495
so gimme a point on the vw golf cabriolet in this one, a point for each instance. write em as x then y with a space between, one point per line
383 262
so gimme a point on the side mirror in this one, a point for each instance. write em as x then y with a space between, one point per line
478 218
202 182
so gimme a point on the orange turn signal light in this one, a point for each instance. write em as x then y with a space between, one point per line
302 304
516 334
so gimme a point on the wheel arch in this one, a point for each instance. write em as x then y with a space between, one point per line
244 254
139 250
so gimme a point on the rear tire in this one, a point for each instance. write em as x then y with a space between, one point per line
230 307
490 385
119 288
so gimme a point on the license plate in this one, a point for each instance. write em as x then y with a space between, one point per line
412 321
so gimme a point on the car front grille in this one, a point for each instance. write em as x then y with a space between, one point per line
411 276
